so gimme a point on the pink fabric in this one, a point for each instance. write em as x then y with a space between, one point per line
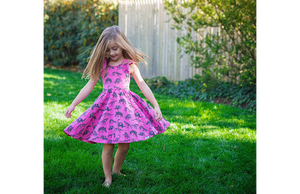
118 115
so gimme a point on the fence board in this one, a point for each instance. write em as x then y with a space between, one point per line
144 24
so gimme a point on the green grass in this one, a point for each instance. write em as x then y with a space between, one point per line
208 148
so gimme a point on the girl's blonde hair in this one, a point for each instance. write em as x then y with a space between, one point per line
94 68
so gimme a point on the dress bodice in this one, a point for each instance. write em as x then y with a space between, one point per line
117 77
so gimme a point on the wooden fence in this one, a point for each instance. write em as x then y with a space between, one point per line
145 24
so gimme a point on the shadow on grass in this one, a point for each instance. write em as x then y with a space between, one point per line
168 163
208 148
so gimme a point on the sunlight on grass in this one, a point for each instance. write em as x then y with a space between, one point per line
50 83
53 76
192 131
208 148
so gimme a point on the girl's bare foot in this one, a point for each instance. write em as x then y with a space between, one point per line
107 183
117 173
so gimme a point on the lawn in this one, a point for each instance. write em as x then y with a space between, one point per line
208 148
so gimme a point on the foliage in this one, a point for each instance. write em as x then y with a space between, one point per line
231 52
61 32
159 82
94 20
72 28
208 148
198 89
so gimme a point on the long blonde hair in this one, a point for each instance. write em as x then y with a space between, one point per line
94 68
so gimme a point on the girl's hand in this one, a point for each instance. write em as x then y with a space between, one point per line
69 111
157 113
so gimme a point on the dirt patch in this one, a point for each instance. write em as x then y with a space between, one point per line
219 100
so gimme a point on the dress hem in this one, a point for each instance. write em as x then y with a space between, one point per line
130 141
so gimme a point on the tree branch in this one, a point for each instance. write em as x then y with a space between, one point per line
220 21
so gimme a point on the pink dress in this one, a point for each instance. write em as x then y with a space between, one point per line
118 115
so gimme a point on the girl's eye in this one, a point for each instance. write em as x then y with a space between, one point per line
113 49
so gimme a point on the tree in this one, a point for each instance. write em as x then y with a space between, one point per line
232 51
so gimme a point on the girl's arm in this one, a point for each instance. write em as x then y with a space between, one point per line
135 72
84 92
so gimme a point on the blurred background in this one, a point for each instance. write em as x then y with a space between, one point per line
72 28
182 38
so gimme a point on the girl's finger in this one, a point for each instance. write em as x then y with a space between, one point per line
68 114
158 117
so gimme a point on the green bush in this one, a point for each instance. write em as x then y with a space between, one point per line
236 19
196 88
94 20
72 28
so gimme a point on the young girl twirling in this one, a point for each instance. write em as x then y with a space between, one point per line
118 115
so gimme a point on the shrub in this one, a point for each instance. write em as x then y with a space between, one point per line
238 95
94 20
72 28
230 53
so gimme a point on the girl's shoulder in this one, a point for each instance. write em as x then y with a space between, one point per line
131 65
129 61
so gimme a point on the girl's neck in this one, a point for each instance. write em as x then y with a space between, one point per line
112 62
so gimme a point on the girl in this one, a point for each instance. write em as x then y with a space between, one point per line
118 115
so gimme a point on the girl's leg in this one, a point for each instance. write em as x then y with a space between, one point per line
120 157
107 159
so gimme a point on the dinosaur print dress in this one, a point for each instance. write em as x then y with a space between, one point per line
118 115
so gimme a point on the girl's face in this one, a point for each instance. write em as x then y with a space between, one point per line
113 51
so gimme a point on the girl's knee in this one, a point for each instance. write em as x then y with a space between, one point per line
123 147
108 149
